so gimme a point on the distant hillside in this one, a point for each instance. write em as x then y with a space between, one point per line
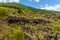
20 22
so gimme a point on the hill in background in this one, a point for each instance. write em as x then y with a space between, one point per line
20 22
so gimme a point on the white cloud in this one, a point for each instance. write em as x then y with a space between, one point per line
0 1
37 0
55 7
5 1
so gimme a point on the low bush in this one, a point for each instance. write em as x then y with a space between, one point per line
3 12
57 28
18 35
13 25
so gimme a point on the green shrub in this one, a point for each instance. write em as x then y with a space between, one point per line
13 25
57 28
31 22
18 35
3 12
8 32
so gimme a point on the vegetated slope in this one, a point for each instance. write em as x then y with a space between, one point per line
20 22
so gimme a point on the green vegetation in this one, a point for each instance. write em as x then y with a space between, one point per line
35 23
3 12
13 25
58 28
19 35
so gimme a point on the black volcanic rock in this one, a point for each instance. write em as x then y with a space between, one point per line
14 19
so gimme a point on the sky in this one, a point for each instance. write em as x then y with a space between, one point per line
40 4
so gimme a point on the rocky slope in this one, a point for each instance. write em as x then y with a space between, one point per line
36 24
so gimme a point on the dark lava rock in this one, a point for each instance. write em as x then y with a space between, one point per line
14 19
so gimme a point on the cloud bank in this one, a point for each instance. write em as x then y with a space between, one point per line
5 1
54 7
